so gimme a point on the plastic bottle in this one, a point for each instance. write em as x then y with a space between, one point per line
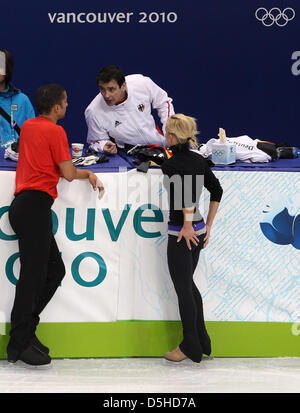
285 152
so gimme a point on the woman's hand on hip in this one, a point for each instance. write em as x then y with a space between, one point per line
190 236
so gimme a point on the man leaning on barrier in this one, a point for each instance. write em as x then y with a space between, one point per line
122 111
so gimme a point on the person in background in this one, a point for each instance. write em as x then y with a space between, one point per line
185 175
15 106
122 111
44 157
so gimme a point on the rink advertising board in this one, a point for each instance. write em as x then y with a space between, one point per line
114 251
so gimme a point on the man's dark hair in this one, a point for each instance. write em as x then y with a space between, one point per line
109 73
47 96
9 66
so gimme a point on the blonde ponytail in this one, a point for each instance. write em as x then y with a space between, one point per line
184 128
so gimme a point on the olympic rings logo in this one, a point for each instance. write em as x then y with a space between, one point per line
275 15
218 153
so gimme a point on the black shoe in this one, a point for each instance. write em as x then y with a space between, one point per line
32 356
12 355
206 346
36 343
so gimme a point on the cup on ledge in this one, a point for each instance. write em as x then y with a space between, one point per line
77 149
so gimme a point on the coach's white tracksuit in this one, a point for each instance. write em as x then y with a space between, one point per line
130 122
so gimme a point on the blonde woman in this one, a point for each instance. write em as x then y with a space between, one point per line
185 174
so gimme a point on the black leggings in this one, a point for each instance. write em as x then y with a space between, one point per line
42 268
182 264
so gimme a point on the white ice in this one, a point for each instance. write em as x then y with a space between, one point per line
155 375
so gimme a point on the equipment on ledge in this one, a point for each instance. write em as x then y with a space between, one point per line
89 160
149 155
12 152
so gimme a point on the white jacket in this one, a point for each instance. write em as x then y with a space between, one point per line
246 149
129 122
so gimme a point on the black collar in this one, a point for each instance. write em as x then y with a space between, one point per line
180 147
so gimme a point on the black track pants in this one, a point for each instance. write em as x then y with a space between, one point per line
41 270
182 263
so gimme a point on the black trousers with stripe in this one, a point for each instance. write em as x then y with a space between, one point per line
41 266
182 263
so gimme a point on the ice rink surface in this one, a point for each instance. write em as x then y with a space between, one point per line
154 375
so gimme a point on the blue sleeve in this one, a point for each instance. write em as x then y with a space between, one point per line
25 109
28 112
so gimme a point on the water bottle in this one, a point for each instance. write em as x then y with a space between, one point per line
5 139
284 152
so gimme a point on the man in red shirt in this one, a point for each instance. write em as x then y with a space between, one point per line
44 157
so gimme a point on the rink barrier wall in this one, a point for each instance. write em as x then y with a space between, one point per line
153 338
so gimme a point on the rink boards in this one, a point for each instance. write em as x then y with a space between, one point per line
117 299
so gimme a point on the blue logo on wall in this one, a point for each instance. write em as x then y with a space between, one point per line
281 222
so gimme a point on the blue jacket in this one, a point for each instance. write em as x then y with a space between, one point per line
23 111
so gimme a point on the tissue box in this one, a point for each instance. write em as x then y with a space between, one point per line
223 153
